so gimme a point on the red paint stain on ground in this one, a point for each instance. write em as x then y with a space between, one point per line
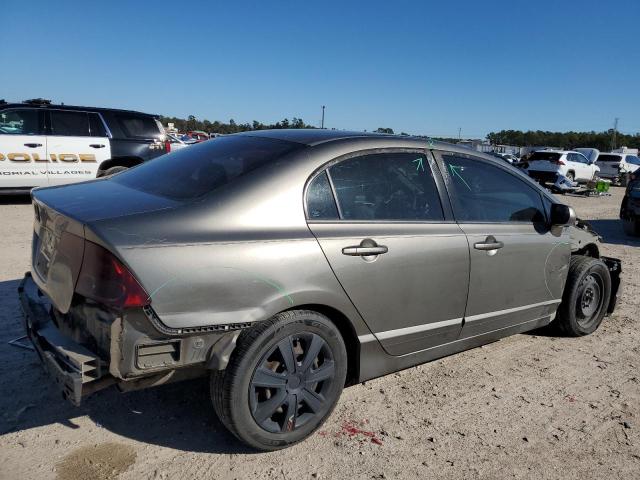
352 429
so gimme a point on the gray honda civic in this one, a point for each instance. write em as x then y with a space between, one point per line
288 264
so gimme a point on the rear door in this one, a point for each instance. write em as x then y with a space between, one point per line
77 144
23 149
398 254
518 267
580 165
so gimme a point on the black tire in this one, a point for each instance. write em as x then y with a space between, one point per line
631 226
624 179
242 400
570 176
586 296
111 171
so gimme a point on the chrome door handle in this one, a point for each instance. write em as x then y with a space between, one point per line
361 251
490 243
33 145
96 145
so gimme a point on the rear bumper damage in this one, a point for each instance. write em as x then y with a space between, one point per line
75 369
89 348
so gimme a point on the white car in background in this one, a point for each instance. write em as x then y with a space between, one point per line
617 166
547 165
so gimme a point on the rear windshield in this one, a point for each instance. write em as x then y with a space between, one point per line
550 156
199 169
603 158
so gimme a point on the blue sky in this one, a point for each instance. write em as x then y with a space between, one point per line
419 67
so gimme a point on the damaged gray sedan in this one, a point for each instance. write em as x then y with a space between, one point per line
288 264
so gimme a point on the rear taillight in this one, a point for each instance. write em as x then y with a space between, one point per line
560 162
106 280
167 146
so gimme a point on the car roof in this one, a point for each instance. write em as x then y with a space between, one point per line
312 136
52 106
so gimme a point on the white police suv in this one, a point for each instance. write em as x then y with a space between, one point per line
43 144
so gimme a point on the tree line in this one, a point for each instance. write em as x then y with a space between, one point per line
603 141
192 123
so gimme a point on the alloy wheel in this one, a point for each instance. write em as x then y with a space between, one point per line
289 384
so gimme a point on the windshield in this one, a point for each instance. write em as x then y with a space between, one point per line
549 156
605 158
195 171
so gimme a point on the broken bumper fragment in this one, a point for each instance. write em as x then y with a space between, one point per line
75 369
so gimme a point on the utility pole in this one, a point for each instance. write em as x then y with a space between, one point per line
614 134
459 133
322 122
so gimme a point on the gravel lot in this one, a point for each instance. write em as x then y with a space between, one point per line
529 406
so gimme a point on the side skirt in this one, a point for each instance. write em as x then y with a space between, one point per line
375 362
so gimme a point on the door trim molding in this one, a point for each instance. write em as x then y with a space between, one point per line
497 313
399 332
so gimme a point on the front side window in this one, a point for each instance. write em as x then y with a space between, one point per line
488 194
70 124
22 121
386 186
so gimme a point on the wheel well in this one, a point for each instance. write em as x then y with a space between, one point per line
344 326
589 250
119 162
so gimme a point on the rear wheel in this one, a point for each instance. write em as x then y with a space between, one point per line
586 296
283 380
570 176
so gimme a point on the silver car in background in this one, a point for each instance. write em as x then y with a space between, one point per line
287 264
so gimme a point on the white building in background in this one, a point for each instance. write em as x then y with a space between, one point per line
628 151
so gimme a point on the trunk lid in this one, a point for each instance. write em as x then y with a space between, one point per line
61 217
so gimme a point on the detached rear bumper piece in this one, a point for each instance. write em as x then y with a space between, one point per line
78 371
615 269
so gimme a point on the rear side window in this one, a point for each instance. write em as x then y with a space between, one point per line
200 169
488 194
633 160
386 186
96 127
70 124
22 121
320 202
138 126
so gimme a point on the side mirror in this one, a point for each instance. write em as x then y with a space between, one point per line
562 215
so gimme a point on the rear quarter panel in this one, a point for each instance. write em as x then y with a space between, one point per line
241 256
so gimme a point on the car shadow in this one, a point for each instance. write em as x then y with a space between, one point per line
23 199
178 416
611 231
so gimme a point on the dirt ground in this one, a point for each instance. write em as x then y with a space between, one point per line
529 406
